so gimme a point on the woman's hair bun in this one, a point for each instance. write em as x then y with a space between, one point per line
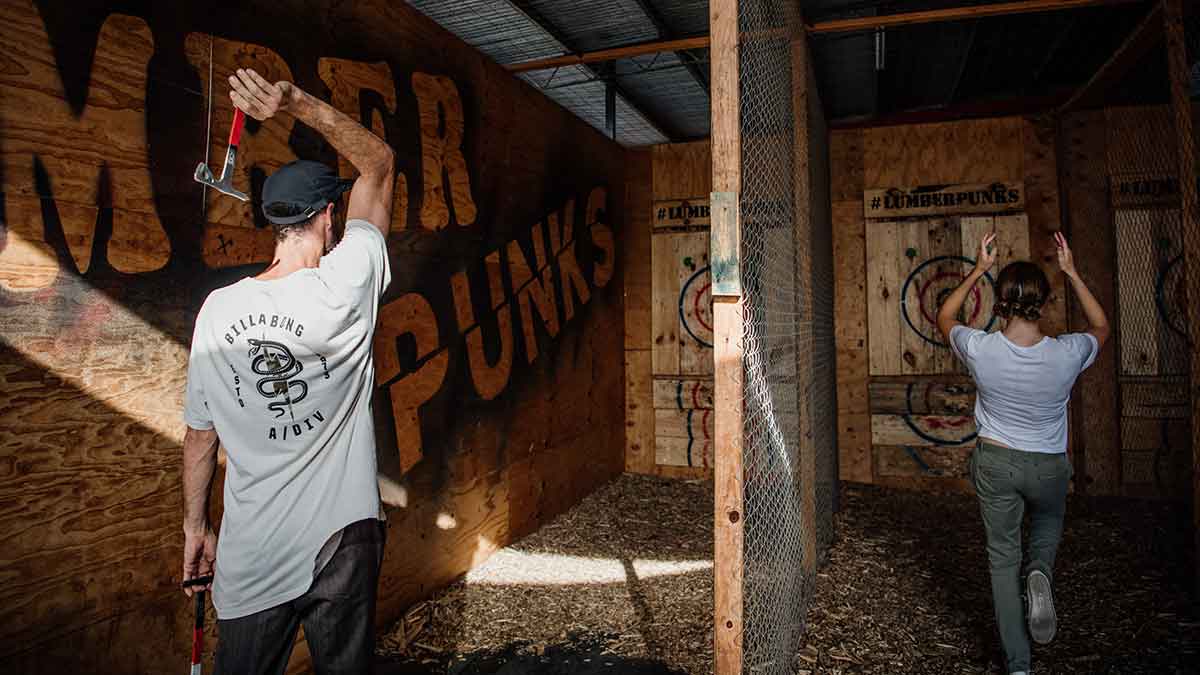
1021 291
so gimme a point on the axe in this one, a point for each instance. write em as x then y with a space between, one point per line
225 185
198 628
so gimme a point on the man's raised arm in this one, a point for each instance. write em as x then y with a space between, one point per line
371 198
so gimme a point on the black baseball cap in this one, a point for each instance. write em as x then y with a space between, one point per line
299 190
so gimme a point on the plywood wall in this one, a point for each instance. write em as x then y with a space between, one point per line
668 322
1134 400
487 426
1129 416
904 403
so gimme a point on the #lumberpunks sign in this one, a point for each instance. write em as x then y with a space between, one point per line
931 200
1140 189
681 213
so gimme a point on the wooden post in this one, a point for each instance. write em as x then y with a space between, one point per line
802 225
728 374
1180 101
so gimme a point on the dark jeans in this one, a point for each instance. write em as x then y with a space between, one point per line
337 612
1006 482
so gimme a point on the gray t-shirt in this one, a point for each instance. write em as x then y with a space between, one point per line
1022 392
283 370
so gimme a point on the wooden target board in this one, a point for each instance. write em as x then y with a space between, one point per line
912 266
682 329
683 417
1151 293
682 309
1153 347
921 400
1151 326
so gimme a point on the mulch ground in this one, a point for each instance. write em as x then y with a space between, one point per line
623 584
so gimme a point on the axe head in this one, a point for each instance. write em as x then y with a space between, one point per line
224 185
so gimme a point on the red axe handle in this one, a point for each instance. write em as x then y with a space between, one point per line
235 132
198 626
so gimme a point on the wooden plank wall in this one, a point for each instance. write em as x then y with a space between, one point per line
1132 401
668 321
496 406
901 398
1135 399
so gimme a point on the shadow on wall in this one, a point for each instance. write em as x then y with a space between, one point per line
93 555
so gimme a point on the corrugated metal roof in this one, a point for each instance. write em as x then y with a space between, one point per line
595 24
665 97
667 90
494 27
685 17
514 31
577 90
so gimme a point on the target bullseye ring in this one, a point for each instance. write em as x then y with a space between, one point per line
948 424
697 305
924 288
1160 297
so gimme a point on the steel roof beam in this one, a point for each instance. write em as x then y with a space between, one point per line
524 6
665 33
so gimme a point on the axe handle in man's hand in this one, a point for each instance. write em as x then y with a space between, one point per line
198 628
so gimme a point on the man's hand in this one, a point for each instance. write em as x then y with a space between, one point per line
199 541
987 255
257 97
1066 261
199 554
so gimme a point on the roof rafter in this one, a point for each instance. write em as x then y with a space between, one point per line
859 24
524 6
1145 36
665 33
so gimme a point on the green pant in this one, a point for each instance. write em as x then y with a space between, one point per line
1006 482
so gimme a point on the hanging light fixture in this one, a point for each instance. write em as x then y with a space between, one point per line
880 49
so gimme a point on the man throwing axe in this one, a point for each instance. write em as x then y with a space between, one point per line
281 373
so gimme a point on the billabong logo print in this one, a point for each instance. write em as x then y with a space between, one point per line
275 362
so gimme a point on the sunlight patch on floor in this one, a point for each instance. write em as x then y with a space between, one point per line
520 568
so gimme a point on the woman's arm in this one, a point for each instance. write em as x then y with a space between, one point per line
1092 311
948 313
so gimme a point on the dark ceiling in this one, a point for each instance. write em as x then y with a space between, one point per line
1032 58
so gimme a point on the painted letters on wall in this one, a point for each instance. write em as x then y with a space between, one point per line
502 252
54 152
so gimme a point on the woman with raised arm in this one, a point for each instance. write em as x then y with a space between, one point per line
1023 381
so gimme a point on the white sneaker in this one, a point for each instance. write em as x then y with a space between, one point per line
1019 672
1042 621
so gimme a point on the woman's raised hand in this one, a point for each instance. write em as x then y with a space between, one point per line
1065 260
987 254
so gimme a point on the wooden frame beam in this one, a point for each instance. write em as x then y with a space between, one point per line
1146 36
956 14
1030 105
802 274
602 55
1181 104
729 516
837 26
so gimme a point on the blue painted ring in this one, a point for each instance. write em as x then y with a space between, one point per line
913 275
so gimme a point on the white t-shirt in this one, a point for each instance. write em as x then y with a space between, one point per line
1022 392
283 370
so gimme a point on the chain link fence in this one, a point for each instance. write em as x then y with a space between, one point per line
1121 168
789 447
